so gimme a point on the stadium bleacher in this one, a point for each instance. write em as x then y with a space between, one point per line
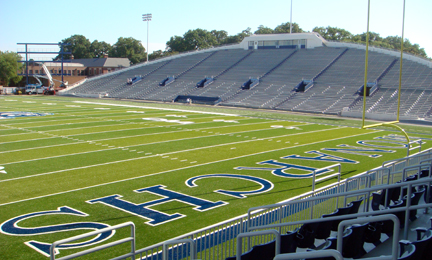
337 75
373 214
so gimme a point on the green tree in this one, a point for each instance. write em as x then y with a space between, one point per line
176 44
373 37
390 42
285 28
395 43
199 39
156 55
79 46
9 67
238 37
264 30
98 49
194 40
333 33
220 36
129 48
160 54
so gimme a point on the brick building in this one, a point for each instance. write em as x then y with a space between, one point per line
77 69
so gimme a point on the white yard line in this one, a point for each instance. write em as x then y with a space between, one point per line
12 134
174 140
158 108
19 141
152 125
182 168
40 147
48 132
98 140
164 154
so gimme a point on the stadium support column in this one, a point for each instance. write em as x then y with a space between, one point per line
62 60
147 18
27 71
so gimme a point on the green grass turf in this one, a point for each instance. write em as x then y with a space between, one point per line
82 152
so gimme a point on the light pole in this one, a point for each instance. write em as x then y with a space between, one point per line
291 19
147 18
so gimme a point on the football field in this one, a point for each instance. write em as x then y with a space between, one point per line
72 165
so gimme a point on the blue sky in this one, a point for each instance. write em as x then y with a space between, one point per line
52 21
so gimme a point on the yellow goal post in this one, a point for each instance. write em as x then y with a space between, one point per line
392 123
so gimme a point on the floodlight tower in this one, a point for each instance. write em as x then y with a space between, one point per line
291 19
147 18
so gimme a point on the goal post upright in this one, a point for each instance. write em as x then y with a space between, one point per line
401 56
392 123
366 67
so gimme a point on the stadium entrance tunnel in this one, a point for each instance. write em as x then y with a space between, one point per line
197 99
204 82
167 81
250 84
303 85
370 89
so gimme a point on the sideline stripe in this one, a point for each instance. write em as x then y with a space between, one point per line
182 168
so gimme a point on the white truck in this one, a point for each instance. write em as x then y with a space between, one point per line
39 89
32 89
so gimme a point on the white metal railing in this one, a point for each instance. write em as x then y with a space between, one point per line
315 180
324 253
130 239
395 237
219 241
315 172
419 146
258 233
406 208
399 164
277 214
190 242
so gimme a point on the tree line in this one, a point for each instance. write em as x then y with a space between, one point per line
9 67
82 48
196 39
390 42
341 35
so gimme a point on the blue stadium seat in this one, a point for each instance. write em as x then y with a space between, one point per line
408 253
288 243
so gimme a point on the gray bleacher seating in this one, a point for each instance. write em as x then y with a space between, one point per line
340 74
